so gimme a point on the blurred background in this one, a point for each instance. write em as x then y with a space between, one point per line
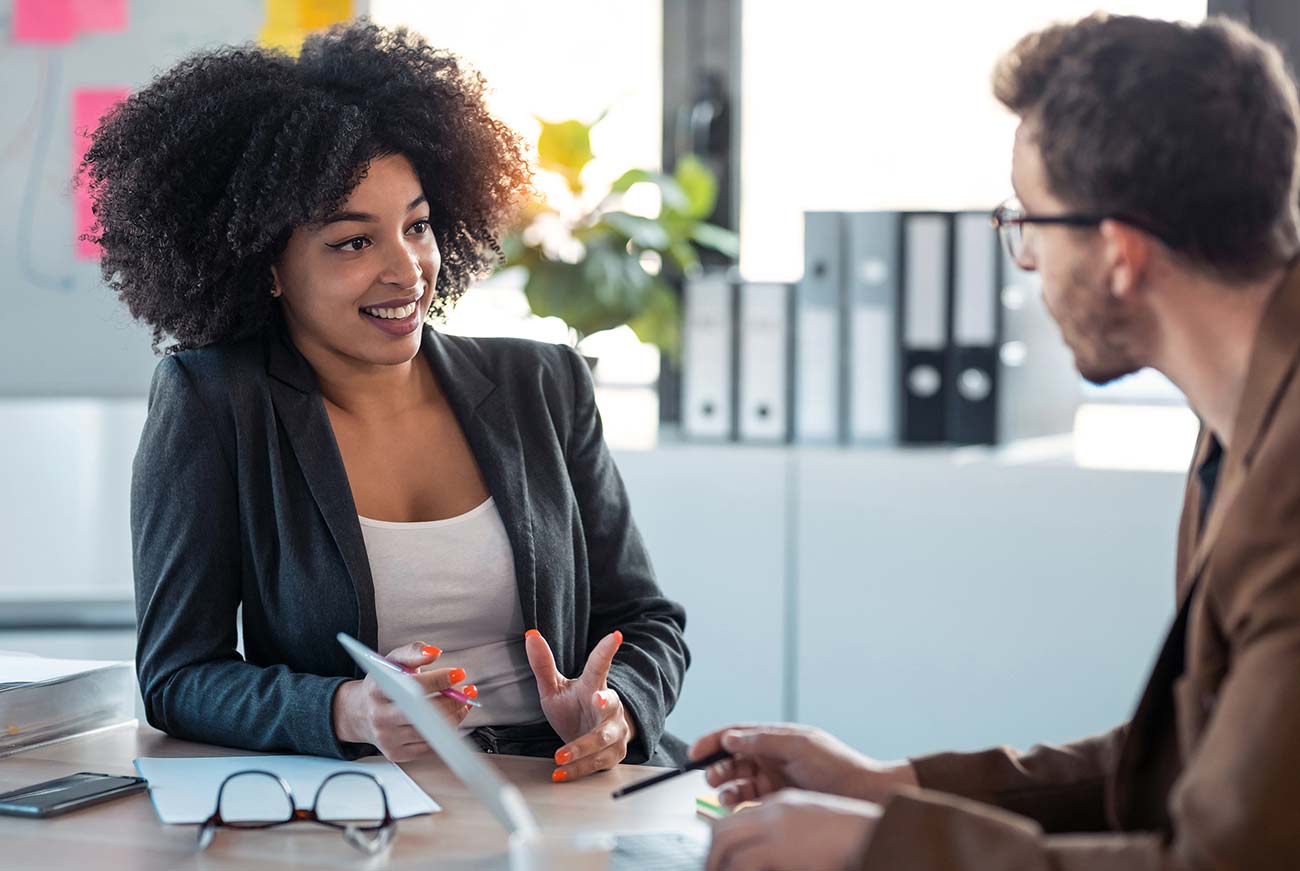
896 531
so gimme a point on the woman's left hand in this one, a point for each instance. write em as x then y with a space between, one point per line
583 711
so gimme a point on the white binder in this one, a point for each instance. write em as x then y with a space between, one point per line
707 349
872 280
818 328
764 337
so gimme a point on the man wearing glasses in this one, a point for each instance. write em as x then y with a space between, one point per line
1156 170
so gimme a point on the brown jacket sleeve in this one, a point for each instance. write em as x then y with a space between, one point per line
929 831
1062 788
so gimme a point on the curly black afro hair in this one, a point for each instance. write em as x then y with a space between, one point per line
199 179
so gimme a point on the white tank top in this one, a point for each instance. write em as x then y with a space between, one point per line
451 583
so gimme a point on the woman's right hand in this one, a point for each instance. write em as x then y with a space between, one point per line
768 758
363 714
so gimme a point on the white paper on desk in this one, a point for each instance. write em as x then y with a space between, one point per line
19 669
184 790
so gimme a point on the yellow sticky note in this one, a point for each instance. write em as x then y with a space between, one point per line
287 40
289 21
282 15
321 14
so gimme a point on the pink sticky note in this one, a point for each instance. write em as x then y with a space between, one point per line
106 15
44 21
88 106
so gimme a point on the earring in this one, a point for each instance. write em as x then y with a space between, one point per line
275 293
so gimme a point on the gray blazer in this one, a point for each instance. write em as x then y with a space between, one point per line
239 497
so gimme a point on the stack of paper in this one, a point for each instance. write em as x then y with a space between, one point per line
45 700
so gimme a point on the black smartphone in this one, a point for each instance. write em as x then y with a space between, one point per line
54 797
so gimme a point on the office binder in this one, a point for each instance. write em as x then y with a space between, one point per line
973 346
874 250
708 393
927 252
764 362
818 331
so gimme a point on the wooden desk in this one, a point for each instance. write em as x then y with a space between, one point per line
126 833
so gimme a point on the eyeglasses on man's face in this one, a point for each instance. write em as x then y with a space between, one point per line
352 801
1012 220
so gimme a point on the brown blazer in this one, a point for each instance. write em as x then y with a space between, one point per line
1206 773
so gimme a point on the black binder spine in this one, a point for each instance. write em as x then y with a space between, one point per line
925 326
976 332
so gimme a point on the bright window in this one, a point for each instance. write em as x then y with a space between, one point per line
851 106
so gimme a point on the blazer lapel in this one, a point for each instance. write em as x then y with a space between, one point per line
1189 525
492 430
301 411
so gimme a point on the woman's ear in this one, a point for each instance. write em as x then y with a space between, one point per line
276 291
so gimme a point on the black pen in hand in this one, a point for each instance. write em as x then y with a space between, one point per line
698 764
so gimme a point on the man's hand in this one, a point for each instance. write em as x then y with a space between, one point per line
794 831
767 758
584 711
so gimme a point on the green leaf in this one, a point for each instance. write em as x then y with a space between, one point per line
720 239
605 290
679 228
565 147
672 196
616 278
547 287
683 254
700 186
659 322
631 177
643 232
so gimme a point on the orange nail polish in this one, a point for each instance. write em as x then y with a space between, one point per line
563 757
430 650
531 632
457 675
618 636
602 701
470 691
559 775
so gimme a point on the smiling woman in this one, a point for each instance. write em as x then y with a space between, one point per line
326 275
316 454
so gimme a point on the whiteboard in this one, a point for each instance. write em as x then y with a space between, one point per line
62 331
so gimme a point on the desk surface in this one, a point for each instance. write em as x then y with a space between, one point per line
126 834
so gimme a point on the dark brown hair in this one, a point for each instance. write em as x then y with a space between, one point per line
1191 129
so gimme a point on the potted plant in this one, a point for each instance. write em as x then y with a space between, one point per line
594 263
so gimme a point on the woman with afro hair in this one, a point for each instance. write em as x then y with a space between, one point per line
318 456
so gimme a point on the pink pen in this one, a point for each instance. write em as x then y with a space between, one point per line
457 695
454 695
